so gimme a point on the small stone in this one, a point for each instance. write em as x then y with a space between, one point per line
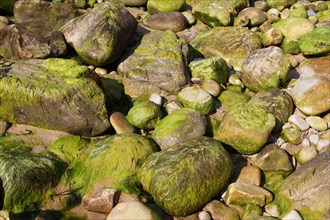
189 17
293 60
3 126
272 210
250 175
297 111
292 135
317 123
286 125
292 149
234 79
314 139
261 5
306 154
173 21
292 215
285 13
280 141
172 106
273 15
156 98
311 13
4 20
212 87
327 119
101 71
196 80
101 201
204 215
323 145
221 211
325 135
120 123
126 197
298 122
272 37
305 143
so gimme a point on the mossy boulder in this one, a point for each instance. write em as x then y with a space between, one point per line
212 68
156 6
112 162
157 65
246 128
280 4
250 17
229 98
195 97
292 135
265 68
324 16
101 44
182 124
27 178
54 93
220 42
53 14
316 42
144 115
184 177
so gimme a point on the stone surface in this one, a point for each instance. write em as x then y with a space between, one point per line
158 65
298 122
306 154
211 87
293 214
231 97
33 96
310 93
101 201
265 68
280 4
156 6
272 37
134 2
120 123
217 41
250 17
182 124
292 135
317 123
173 21
250 175
170 172
316 42
30 40
3 126
101 44
220 211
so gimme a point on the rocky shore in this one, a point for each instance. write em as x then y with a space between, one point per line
165 109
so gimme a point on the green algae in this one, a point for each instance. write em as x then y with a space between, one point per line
229 98
156 6
316 42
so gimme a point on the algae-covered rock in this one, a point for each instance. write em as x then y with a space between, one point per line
156 6
103 43
182 124
265 68
229 43
173 21
219 210
280 4
324 16
144 115
196 98
112 162
229 98
27 178
251 17
184 177
211 68
292 135
33 96
246 128
316 42
158 65
29 40
54 15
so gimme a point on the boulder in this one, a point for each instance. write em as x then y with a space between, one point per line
251 17
231 97
265 68
229 43
158 65
280 4
233 6
101 44
33 96
184 177
246 128
156 6
53 14
134 3
315 42
182 124
30 40
220 211
173 21
311 91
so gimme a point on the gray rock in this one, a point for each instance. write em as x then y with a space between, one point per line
220 211
158 65
173 21
103 43
298 122
30 40
134 3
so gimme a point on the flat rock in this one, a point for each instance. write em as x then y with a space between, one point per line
220 211
316 42
173 21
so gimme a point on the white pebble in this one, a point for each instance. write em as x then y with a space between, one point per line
314 139
196 80
292 215
272 210
279 142
323 145
172 106
101 71
4 20
305 143
306 154
286 125
204 215
156 98
298 122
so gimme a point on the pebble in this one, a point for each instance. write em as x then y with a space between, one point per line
120 123
285 13
250 175
189 17
279 142
272 210
156 98
212 87
297 111
286 125
311 13
306 154
197 80
101 71
204 215
294 62
234 79
4 20
172 106
314 139
292 149
306 143
292 215
317 123
323 145
298 122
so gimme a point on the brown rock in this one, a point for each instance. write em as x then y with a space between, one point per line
173 21
250 175
220 211
101 201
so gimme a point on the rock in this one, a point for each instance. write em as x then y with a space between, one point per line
280 4
156 6
323 145
250 175
317 123
212 68
235 79
220 42
203 215
170 172
211 87
298 122
273 15
173 21
30 40
251 17
292 135
275 101
265 68
33 96
156 98
273 158
243 194
298 10
101 71
156 66
103 43
3 127
180 125
144 115
112 162
272 37
324 16
101 201
310 92
132 210
27 177
315 42
134 3
252 211
314 138
120 123
261 5
54 15
234 6
293 214
190 17
306 154
231 97
220 211
303 189
246 128
196 98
